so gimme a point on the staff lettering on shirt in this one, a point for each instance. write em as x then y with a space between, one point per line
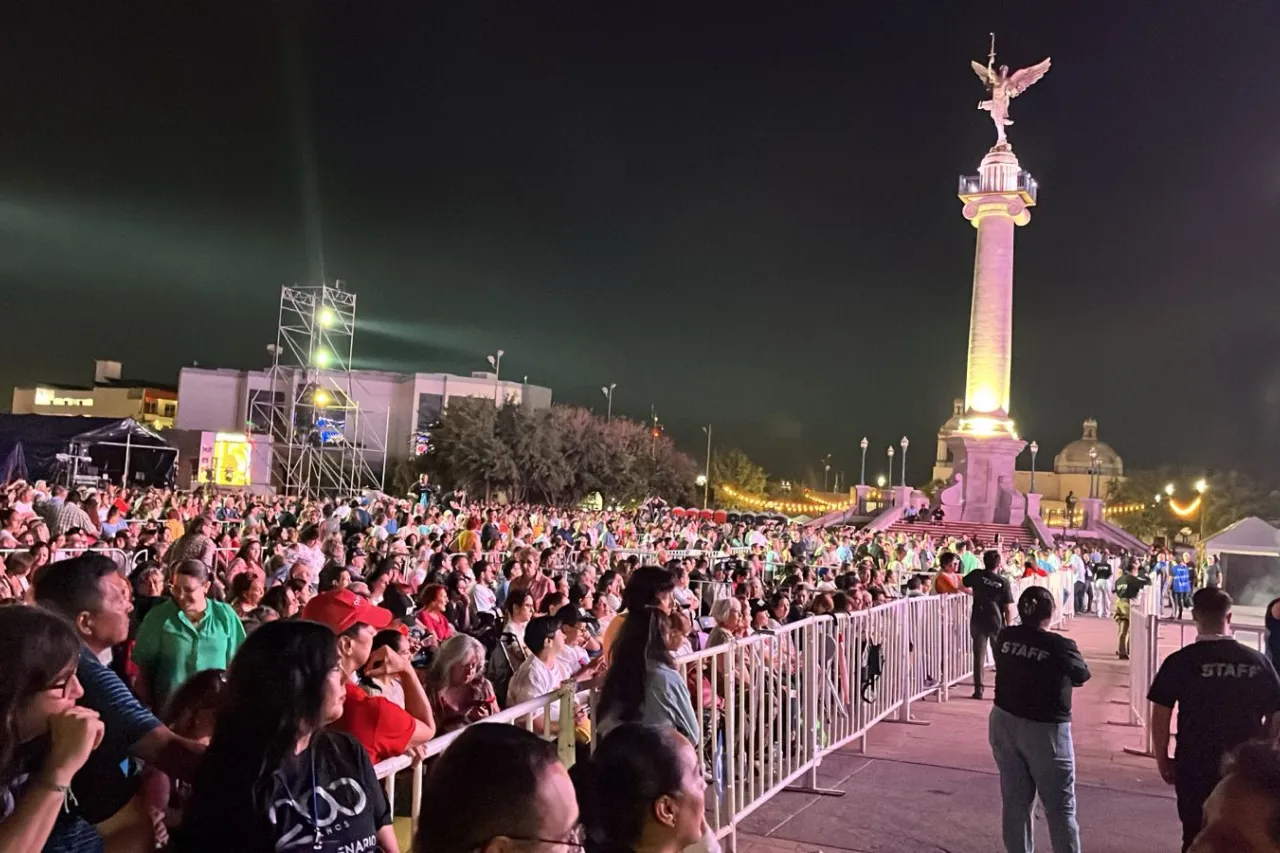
1022 650
1229 670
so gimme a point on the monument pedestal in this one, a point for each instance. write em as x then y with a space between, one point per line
1091 509
861 494
987 465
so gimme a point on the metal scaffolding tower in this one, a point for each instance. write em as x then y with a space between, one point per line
322 443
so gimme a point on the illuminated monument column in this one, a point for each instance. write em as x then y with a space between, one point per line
985 447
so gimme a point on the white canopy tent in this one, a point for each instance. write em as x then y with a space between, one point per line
1250 555
1247 536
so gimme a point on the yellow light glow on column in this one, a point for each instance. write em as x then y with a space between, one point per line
984 399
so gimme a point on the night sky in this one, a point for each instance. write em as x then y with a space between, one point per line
742 213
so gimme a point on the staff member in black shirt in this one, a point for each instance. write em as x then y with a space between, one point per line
1030 725
1226 694
992 610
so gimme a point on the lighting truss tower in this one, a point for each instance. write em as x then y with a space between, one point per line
322 443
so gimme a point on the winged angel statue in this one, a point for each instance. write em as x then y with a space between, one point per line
1004 87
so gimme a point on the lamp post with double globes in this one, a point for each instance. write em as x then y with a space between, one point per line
607 390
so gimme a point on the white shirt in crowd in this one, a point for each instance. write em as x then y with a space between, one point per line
312 558
534 679
483 599
572 659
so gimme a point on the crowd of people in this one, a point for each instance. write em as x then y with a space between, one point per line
223 671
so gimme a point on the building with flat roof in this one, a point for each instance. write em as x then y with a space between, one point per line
391 416
110 396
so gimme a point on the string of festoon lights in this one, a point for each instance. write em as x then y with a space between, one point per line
793 507
1184 511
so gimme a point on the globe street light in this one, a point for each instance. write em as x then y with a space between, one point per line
608 392
495 361
889 453
1093 472
1035 448
905 444
826 470
1168 489
862 477
880 481
1202 486
706 477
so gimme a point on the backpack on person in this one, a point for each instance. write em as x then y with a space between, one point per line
503 663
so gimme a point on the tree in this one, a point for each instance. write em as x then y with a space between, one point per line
558 455
1229 497
735 469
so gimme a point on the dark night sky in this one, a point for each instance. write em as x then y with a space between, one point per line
742 213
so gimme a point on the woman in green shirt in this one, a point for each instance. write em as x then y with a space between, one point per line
183 635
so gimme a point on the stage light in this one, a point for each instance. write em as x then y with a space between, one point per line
321 398
322 358
326 318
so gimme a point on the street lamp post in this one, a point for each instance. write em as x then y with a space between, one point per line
495 361
1035 448
905 444
608 393
706 478
1202 486
862 475
826 470
1093 472
889 453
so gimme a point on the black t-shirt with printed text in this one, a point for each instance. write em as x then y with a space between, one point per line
991 596
1035 673
1222 690
342 797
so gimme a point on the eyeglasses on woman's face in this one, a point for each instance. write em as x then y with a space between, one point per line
574 840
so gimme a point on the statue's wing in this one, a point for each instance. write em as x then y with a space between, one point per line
981 71
1023 79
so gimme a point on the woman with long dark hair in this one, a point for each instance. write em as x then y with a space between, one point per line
642 684
642 790
44 737
274 777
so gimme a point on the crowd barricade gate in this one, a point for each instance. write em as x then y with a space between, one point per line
772 705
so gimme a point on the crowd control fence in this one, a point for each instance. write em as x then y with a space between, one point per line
771 706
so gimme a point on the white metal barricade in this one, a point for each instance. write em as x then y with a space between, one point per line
772 705
536 716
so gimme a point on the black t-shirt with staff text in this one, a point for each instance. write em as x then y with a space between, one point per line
1222 690
991 595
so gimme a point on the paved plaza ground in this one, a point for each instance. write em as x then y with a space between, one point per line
921 789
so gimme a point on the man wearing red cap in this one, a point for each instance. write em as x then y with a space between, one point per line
382 727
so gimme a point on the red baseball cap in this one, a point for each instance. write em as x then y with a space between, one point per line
342 608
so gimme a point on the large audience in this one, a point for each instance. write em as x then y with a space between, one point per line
223 671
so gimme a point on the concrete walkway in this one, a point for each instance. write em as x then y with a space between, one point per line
920 789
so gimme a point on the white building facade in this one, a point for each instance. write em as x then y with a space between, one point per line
389 410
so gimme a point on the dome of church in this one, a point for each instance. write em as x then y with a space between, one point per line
1077 457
